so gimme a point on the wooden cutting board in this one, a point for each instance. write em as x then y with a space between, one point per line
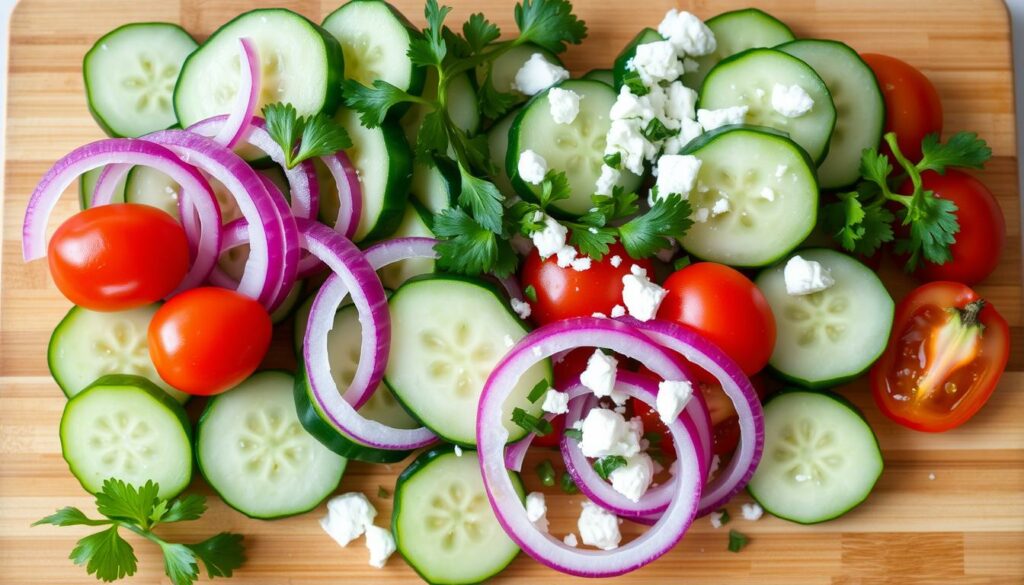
948 509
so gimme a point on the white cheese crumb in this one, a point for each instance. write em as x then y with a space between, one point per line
672 398
458 451
687 33
618 311
600 376
607 181
508 341
581 264
348 517
630 106
381 544
537 510
752 512
570 540
521 308
532 167
767 193
716 519
606 432
701 214
804 277
598 315
781 170
616 261
599 527
537 74
677 173
565 256
625 138
641 296
721 206
564 105
656 62
634 478
792 101
551 239
711 119
555 402
681 102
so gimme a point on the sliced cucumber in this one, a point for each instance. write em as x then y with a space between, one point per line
503 69
735 32
254 453
443 523
301 64
130 74
436 186
86 345
497 144
821 458
375 37
859 105
747 79
738 164
148 186
826 338
606 76
413 225
447 334
576 149
87 184
126 428
383 161
647 35
462 106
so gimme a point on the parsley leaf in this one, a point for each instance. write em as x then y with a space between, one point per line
221 554
483 199
470 248
431 49
494 103
635 84
656 131
614 160
431 138
645 234
592 241
69 516
737 540
283 125
179 563
531 424
963 149
479 32
606 465
121 501
549 23
106 554
373 103
185 508
933 228
555 187
858 229
318 135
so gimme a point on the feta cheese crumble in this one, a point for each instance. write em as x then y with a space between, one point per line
616 261
792 101
626 138
701 215
551 239
600 376
606 432
641 296
537 511
804 277
672 398
537 74
656 62
607 181
458 451
532 167
677 173
634 478
711 119
599 527
381 544
555 402
687 33
721 206
564 105
680 102
752 511
767 193
570 540
618 311
521 308
780 170
348 517
716 519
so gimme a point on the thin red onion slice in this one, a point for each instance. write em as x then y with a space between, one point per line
491 437
106 184
702 353
249 87
350 192
118 151
354 272
267 246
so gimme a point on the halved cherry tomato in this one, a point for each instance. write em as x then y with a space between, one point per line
725 307
118 257
912 106
563 293
947 351
207 340
979 243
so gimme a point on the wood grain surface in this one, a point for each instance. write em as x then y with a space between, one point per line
965 526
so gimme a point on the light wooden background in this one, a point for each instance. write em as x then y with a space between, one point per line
966 526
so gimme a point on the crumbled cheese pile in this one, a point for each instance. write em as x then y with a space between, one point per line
351 515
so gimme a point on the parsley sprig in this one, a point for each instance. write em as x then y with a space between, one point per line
861 221
302 138
108 556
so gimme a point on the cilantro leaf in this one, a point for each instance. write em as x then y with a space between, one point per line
645 234
592 241
283 125
606 465
875 167
69 516
857 228
221 554
185 508
963 149
614 160
933 228
549 23
479 32
877 225
635 84
431 49
531 424
483 199
321 136
373 103
494 103
431 138
618 205
179 563
555 187
121 501
737 540
106 554
470 247
656 131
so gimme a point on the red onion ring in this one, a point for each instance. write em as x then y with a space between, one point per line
350 192
237 123
129 152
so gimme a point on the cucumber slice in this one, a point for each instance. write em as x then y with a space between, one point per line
821 458
738 164
447 334
503 69
130 74
436 187
747 79
826 338
86 345
735 32
384 163
858 101
413 225
605 76
443 523
126 428
87 184
497 145
647 35
301 64
462 106
375 37
147 186
576 149
254 453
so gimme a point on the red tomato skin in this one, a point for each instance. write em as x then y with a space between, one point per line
982 236
564 293
724 306
208 340
118 257
912 105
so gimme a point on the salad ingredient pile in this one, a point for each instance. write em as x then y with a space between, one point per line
475 257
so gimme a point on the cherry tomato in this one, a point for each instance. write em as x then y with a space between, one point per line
118 257
563 293
947 351
207 340
912 106
979 243
725 307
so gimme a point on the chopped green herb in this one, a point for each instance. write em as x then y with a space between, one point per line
725 517
538 390
383 493
656 131
318 135
653 437
636 85
613 160
737 540
530 423
574 434
530 293
568 485
681 263
606 465
546 472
